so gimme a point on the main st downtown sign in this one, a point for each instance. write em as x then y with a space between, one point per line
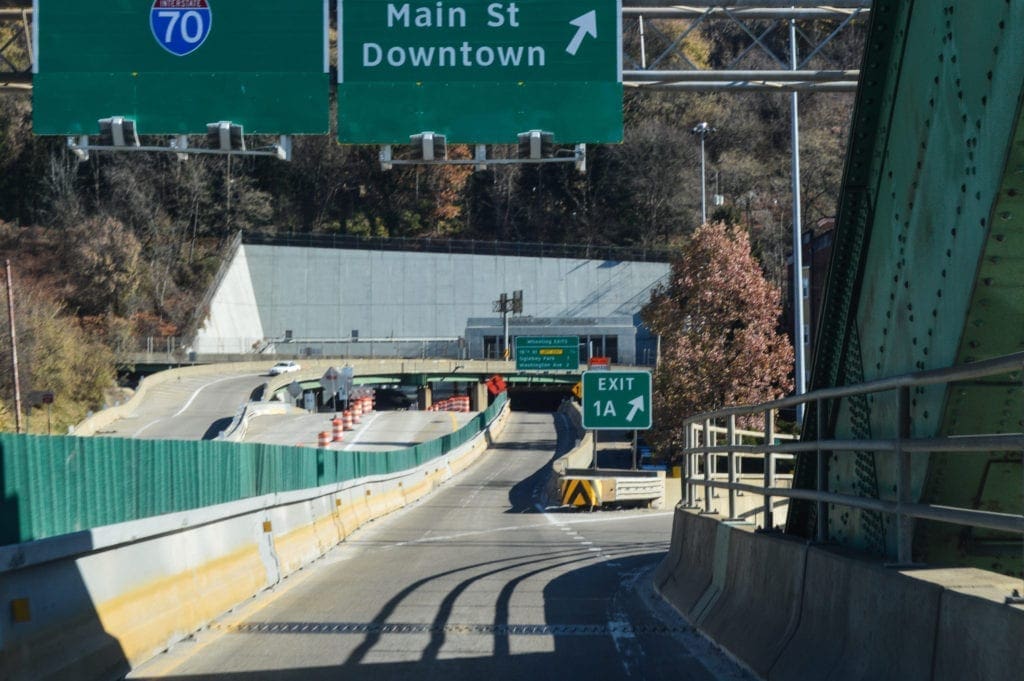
479 71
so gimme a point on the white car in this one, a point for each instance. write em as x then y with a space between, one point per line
284 368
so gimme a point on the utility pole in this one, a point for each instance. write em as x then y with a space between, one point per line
14 349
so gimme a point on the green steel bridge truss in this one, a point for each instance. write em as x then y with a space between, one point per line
927 271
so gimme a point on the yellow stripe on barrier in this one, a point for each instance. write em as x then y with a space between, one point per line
144 618
579 493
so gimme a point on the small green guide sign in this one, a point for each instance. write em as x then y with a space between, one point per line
479 71
617 400
547 353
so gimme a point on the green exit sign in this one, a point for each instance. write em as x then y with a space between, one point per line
547 353
617 400
173 66
479 71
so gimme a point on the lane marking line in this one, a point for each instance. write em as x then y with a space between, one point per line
207 385
357 435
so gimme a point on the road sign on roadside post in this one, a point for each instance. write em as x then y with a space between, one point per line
547 353
617 400
479 72
332 382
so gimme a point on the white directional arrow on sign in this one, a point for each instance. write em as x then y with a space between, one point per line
637 404
585 24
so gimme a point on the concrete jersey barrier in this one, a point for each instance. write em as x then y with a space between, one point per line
94 604
792 611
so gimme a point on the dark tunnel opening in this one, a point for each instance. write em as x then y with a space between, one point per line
532 398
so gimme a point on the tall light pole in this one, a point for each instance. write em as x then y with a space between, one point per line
14 348
702 130
799 371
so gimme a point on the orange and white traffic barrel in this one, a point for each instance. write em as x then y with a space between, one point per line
347 417
323 439
337 429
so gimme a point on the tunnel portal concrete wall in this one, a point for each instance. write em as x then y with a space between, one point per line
327 293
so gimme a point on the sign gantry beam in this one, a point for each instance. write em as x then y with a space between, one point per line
17 76
654 40
730 11
16 50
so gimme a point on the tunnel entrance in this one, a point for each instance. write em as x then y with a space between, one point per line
534 398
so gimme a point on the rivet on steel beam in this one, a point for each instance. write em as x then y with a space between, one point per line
20 610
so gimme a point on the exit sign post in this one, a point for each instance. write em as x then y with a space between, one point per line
479 71
617 400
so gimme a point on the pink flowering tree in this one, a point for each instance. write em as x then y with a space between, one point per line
718 318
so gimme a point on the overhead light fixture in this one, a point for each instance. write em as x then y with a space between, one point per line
385 157
180 143
225 135
429 146
536 144
79 147
284 148
118 131
580 156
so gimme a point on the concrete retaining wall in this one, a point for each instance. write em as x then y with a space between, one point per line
269 289
789 610
582 455
94 604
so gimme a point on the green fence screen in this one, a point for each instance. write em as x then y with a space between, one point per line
58 485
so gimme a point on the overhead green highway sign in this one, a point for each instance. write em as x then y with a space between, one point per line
617 400
479 71
174 66
547 353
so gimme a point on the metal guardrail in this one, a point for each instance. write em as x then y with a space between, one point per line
733 453
701 445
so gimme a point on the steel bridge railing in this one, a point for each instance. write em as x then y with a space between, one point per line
701 445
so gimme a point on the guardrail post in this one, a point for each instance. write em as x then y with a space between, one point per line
707 467
730 462
691 467
685 473
904 523
769 468
821 478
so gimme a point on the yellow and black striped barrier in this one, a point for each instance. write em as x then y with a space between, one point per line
577 492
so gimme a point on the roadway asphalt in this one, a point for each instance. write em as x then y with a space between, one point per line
191 408
200 407
474 582
377 431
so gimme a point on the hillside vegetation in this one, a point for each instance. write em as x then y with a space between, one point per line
122 246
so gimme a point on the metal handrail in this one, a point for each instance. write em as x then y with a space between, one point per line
702 444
